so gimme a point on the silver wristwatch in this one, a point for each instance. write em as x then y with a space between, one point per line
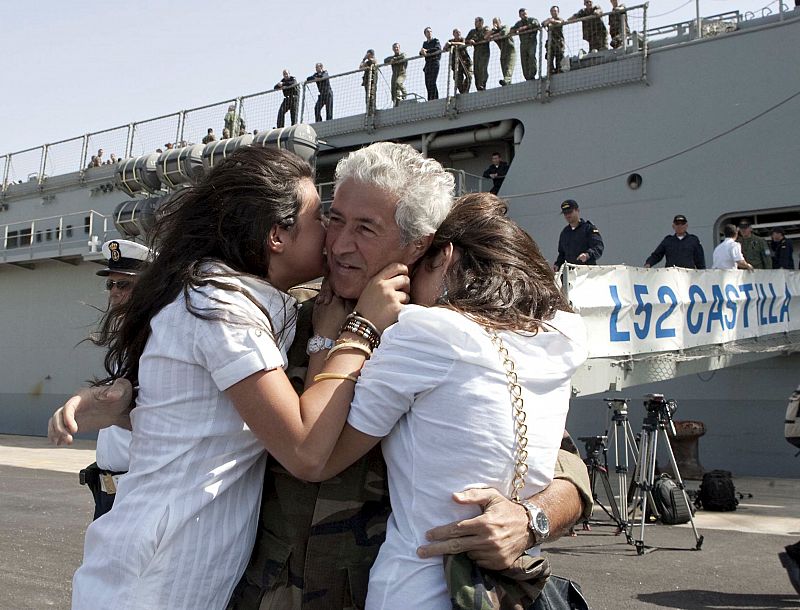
538 523
317 343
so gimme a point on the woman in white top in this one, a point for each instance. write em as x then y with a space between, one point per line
436 390
205 333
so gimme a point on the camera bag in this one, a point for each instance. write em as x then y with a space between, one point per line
671 504
717 492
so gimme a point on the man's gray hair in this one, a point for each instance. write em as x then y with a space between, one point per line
423 188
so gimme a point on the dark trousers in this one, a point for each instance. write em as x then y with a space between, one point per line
289 105
431 74
327 101
90 476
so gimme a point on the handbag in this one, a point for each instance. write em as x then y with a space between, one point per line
527 584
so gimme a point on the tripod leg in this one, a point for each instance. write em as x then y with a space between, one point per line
615 514
697 537
642 491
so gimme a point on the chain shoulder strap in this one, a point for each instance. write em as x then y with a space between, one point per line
520 427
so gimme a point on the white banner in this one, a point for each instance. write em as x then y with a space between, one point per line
632 310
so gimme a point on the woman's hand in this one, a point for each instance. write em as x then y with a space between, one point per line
330 312
91 409
385 295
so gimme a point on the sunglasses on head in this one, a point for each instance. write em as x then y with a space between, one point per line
121 284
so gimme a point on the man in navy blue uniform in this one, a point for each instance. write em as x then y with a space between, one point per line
782 251
682 249
580 242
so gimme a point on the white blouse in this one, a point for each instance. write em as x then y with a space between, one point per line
437 390
184 519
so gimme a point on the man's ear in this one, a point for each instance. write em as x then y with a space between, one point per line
421 246
276 240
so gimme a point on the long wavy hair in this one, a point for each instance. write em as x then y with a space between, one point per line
502 280
225 219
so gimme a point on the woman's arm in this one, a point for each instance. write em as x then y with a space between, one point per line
301 432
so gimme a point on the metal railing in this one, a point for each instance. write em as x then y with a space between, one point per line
259 111
71 233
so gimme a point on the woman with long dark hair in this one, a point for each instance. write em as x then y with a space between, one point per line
437 390
205 334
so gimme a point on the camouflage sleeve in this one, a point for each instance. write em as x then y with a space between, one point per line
570 467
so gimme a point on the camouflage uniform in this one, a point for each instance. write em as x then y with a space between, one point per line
756 251
555 46
368 81
398 63
527 46
316 542
618 25
480 56
594 30
508 53
460 64
231 123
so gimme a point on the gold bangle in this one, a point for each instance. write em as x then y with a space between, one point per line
349 345
324 376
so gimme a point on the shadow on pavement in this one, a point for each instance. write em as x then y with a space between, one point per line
693 599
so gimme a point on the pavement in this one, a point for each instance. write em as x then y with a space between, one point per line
45 512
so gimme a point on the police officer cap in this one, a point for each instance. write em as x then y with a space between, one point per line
569 204
679 218
778 230
125 257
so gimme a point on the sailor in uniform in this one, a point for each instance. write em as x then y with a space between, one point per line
125 260
580 242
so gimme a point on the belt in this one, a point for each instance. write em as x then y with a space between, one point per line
108 483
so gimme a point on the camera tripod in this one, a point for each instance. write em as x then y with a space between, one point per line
598 470
658 417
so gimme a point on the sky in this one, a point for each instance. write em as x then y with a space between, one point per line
81 66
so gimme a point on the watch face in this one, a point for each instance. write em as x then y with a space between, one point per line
542 522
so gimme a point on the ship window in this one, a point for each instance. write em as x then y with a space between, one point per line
48 235
24 237
86 221
69 230
38 237
634 181
12 240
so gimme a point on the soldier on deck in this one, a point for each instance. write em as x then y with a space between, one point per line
460 61
477 38
594 30
755 249
325 98
580 242
527 27
432 52
681 249
618 24
555 41
399 63
508 51
782 251
230 123
368 80
291 98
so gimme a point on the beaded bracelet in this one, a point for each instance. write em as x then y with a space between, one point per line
357 327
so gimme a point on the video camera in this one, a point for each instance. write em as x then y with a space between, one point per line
595 445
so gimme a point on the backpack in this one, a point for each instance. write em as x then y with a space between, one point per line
671 504
717 492
791 429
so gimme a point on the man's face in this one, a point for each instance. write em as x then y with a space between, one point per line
363 237
100 153
776 236
496 23
496 159
119 287
286 74
554 12
456 33
587 4
572 215
614 3
318 67
680 228
523 14
478 22
428 33
396 48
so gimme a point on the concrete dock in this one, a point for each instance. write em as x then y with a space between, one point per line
45 513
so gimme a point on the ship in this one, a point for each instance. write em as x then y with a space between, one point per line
692 118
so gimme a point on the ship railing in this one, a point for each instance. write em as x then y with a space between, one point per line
687 30
358 96
79 232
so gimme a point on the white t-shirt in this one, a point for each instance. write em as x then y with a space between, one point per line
727 254
113 449
438 389
184 518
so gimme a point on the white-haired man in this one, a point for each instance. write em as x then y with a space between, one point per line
316 542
